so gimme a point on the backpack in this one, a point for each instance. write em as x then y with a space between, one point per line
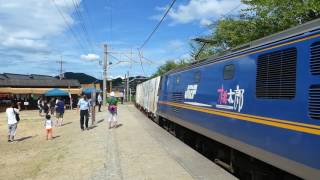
112 109
16 114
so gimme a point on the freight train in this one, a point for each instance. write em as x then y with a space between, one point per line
254 110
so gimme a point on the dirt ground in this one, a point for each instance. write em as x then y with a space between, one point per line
72 154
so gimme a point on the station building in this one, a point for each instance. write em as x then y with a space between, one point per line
28 88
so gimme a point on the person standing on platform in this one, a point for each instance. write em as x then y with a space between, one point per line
12 113
52 104
40 106
59 112
112 108
48 124
84 107
99 102
45 108
121 97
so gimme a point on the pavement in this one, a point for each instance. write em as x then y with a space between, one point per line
138 149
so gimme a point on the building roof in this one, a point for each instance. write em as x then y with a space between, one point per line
16 76
81 77
20 80
44 77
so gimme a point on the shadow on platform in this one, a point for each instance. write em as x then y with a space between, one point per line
24 138
92 127
54 137
66 123
118 125
100 121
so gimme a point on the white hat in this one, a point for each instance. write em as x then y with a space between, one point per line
112 94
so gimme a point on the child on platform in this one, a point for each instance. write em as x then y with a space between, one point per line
48 125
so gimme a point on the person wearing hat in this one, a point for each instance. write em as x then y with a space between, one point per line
112 108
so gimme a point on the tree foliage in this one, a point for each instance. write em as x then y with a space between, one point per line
261 18
169 65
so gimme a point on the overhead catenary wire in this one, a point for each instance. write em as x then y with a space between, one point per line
158 25
89 17
140 58
212 25
152 33
81 35
220 18
111 19
78 41
82 24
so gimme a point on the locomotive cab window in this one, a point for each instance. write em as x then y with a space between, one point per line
228 72
197 77
178 79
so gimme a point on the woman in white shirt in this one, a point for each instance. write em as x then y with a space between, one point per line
12 121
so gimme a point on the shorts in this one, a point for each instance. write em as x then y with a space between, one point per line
49 131
12 128
112 117
59 115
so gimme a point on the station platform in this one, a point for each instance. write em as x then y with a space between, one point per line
138 149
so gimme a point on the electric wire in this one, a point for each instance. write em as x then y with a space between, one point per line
78 41
140 58
78 30
152 33
158 25
212 25
89 17
85 27
82 24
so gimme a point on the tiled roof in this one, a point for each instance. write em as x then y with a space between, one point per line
20 80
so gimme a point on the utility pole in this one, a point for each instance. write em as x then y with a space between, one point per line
61 69
93 104
127 90
105 69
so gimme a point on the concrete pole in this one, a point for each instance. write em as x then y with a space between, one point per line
93 104
105 69
127 90
110 85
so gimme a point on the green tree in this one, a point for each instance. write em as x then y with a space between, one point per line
261 18
169 65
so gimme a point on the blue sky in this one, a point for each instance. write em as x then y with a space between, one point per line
35 34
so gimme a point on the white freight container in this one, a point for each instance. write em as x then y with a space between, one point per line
147 94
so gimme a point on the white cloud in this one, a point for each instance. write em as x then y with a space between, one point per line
90 57
27 25
175 44
25 45
116 76
159 16
205 22
203 11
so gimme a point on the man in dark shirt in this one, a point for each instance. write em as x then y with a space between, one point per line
59 112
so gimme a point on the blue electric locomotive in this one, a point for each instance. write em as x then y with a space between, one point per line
262 99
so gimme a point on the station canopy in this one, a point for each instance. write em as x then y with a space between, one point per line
56 92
